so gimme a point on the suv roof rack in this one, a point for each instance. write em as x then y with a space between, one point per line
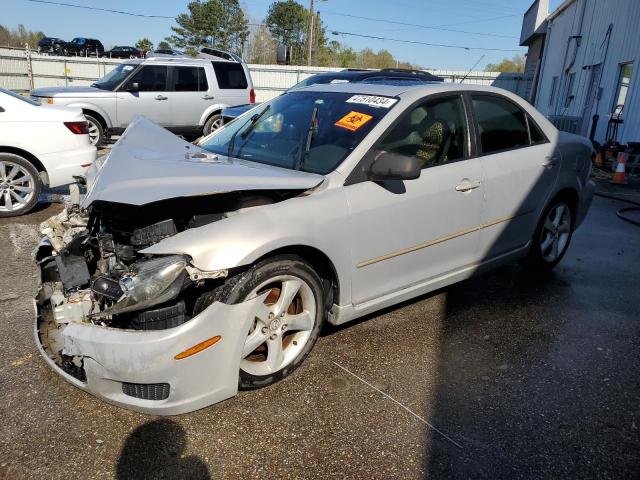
208 52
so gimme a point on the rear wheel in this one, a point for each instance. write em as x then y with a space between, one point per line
20 185
284 331
552 236
96 131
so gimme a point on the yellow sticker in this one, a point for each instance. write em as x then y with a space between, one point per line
353 121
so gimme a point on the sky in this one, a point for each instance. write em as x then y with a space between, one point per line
494 24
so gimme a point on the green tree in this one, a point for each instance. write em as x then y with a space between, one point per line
144 44
19 37
164 45
288 22
218 23
514 65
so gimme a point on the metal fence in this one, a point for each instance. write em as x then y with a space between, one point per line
22 70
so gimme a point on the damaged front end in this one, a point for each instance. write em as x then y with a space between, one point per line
112 320
116 321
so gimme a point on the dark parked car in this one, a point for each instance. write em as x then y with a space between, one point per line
51 45
124 52
83 47
388 76
166 52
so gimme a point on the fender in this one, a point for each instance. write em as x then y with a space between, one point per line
216 107
250 234
95 108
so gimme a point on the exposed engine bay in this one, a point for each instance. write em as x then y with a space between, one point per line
93 269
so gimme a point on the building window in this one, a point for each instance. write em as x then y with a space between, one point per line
554 87
624 78
569 93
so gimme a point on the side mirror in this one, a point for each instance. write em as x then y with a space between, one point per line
133 87
392 166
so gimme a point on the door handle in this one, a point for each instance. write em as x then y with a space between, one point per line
208 97
550 162
467 185
161 97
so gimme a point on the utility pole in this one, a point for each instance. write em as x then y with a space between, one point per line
310 36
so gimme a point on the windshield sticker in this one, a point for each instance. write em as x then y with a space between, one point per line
373 101
353 121
126 68
339 80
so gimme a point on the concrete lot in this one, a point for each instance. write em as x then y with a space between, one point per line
507 376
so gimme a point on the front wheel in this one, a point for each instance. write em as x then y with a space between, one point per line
20 185
552 236
284 331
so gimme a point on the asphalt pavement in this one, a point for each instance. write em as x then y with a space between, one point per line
506 375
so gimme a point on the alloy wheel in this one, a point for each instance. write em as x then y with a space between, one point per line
281 328
555 232
94 133
216 124
17 186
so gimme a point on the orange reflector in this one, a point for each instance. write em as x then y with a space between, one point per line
198 348
49 100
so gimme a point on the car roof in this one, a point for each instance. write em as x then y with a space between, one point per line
415 89
388 72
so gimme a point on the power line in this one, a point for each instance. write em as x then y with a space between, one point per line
121 12
415 42
372 19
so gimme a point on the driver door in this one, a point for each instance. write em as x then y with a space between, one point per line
408 232
151 100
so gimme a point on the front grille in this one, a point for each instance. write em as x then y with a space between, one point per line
147 391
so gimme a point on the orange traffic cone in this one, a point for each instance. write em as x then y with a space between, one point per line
619 174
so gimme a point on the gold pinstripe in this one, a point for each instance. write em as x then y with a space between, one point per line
430 243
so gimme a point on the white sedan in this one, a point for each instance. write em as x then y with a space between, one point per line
38 146
189 271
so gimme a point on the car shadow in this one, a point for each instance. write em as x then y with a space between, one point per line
156 450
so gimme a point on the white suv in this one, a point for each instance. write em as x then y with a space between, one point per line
184 95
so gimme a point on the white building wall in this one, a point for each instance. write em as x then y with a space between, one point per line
624 46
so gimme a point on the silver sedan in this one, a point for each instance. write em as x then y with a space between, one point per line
188 271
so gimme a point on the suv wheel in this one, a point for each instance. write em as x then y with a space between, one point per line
20 185
96 132
65 51
213 123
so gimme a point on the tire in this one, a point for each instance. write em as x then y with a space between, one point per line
264 362
14 200
96 131
213 123
552 236
65 51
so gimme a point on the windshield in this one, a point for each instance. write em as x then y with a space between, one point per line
115 77
302 130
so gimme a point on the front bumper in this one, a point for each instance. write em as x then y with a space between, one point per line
113 359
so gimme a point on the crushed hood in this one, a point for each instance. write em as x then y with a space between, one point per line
149 163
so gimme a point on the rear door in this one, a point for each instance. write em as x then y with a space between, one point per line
190 95
520 168
405 233
233 86
151 100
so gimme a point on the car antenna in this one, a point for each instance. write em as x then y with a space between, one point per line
471 69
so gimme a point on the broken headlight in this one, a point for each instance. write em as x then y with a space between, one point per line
149 283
